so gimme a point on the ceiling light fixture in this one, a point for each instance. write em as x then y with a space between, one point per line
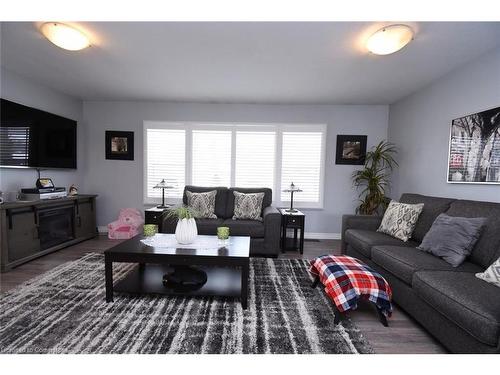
389 39
65 36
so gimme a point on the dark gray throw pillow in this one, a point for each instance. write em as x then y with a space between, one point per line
452 238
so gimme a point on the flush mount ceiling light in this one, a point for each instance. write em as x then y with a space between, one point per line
65 36
389 39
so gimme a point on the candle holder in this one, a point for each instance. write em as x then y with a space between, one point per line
223 235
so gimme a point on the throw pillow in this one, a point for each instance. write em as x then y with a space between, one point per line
492 274
400 219
203 204
248 206
452 238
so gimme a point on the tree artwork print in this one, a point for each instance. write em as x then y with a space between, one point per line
475 148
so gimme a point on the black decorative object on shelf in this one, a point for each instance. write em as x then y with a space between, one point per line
351 149
188 277
119 145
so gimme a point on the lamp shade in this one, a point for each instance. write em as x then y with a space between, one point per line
162 185
292 188
65 36
389 39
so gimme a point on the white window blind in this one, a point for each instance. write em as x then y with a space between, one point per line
301 164
14 145
211 158
255 158
166 159
242 155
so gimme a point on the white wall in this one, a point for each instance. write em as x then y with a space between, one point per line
120 183
420 126
24 91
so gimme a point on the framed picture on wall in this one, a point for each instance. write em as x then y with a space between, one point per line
351 149
474 153
119 145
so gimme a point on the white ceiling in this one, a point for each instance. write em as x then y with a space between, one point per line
243 62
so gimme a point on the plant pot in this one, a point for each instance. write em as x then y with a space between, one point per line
186 231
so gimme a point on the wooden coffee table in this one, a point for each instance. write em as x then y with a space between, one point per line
227 267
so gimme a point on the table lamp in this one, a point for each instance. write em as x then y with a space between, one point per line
162 185
292 189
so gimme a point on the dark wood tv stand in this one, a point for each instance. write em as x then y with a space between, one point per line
31 229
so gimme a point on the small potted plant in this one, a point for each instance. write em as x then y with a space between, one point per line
186 230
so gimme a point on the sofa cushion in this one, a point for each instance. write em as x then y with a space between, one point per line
467 301
492 274
208 226
203 204
403 262
267 201
452 238
433 206
252 228
487 248
400 219
363 240
248 206
220 197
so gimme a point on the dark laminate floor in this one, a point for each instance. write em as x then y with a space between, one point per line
403 335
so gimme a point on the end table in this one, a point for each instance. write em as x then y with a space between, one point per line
296 221
154 215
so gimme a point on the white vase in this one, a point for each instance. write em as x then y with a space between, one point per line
186 231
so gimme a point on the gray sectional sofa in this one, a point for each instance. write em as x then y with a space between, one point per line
457 308
264 236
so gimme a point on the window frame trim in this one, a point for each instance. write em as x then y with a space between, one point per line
278 128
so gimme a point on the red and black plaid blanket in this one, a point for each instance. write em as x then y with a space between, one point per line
347 279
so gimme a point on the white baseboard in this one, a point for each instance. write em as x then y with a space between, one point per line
308 235
322 236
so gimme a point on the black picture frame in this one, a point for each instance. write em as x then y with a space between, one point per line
119 145
351 149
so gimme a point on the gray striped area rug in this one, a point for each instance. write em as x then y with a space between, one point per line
64 311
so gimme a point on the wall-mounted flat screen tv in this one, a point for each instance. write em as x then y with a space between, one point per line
31 138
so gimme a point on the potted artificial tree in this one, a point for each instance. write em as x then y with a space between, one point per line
374 179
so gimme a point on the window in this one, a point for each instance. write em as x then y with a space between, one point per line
255 159
301 164
165 159
211 158
14 145
236 155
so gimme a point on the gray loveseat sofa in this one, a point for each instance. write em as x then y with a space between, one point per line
457 308
264 236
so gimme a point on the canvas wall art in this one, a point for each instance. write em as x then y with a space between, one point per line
474 155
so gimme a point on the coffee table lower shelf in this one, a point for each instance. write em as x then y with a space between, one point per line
147 278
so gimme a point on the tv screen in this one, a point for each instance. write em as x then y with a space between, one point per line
31 138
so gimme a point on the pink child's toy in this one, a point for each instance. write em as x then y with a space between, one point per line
128 225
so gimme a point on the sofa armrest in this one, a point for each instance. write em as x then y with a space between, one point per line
366 222
272 229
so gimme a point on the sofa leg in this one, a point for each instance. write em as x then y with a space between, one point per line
315 282
381 317
338 315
